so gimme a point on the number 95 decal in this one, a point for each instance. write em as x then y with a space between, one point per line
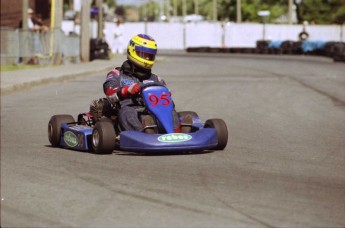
162 100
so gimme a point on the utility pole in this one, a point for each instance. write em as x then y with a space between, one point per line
175 8
184 8
100 19
56 21
168 9
58 14
196 7
215 13
25 27
290 11
25 7
238 11
85 31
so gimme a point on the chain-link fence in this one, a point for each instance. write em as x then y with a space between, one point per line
22 46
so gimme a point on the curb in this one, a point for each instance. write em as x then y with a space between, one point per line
43 76
45 81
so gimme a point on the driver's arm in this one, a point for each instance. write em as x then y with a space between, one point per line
113 90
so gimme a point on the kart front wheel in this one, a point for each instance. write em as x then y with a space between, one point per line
54 128
103 137
222 132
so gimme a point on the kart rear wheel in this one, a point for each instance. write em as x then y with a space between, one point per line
222 132
103 137
54 128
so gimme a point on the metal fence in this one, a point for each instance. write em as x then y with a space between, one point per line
23 46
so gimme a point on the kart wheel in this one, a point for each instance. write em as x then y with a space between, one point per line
222 132
184 113
105 119
54 128
103 137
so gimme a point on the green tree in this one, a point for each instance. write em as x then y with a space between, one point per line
250 8
110 3
322 11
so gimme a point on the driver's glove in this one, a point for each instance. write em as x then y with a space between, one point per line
130 90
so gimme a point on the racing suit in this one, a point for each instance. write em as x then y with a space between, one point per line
122 78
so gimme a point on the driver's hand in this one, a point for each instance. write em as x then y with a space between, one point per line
134 89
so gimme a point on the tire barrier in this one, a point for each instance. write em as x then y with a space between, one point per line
99 49
334 50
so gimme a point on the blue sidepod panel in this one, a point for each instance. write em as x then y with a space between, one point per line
75 137
205 138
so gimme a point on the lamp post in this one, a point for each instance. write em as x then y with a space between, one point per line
264 14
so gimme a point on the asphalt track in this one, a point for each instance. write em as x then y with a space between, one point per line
284 165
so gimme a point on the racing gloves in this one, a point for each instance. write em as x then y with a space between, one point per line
130 90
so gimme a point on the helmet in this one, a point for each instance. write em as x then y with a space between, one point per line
142 50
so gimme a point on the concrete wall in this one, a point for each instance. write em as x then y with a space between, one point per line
180 36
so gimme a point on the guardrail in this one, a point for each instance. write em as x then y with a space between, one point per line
51 47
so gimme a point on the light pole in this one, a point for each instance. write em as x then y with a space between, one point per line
264 14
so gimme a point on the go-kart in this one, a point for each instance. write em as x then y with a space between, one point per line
102 133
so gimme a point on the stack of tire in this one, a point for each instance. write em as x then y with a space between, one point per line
99 49
274 47
291 47
262 46
335 50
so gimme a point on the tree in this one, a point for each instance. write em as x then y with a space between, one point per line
320 11
323 11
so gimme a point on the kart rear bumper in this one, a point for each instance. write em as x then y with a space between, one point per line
205 138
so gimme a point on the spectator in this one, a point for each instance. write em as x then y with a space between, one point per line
35 25
38 22
31 22
34 22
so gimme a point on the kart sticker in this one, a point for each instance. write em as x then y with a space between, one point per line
70 139
174 138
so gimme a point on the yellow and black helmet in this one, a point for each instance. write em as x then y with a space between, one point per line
142 50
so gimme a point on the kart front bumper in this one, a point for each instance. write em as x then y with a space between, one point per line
203 139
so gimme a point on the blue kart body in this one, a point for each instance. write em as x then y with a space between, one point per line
160 105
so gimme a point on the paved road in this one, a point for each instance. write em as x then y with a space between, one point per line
284 164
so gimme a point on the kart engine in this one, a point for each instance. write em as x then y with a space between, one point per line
102 107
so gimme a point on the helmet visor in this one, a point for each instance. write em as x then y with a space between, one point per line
146 53
146 56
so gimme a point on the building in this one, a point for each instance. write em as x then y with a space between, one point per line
11 11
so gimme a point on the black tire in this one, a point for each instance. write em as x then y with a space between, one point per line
184 113
103 137
105 119
222 132
54 128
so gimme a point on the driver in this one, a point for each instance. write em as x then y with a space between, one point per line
122 86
